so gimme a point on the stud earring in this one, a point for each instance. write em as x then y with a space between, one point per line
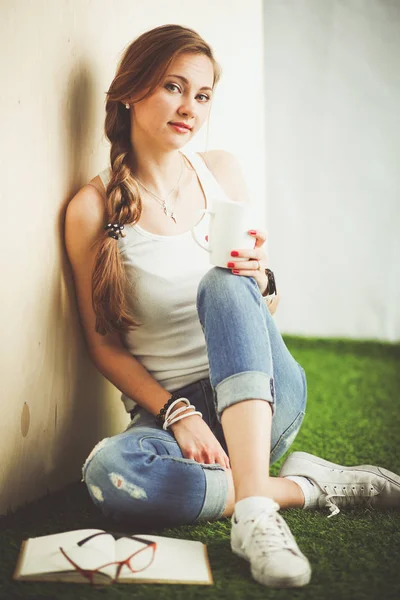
127 106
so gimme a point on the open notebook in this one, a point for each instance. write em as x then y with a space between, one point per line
87 553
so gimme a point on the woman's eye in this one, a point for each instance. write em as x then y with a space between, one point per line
204 97
172 87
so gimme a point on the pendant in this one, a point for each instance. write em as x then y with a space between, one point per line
169 214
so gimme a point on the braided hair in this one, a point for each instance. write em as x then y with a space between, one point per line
140 70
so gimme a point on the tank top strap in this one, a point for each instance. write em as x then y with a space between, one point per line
105 176
210 185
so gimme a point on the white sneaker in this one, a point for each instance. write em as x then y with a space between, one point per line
345 486
265 540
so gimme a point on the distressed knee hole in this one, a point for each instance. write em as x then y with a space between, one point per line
133 490
97 493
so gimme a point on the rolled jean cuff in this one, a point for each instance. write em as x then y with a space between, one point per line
244 386
216 493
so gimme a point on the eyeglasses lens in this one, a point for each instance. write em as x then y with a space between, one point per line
142 559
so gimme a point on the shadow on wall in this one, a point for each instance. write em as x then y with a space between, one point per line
85 419
73 400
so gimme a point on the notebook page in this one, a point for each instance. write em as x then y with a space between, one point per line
174 560
42 554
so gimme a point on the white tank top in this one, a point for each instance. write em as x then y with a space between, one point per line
164 273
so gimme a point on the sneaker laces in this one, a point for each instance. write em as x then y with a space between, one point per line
269 532
359 494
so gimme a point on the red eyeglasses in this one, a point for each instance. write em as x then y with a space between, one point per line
138 561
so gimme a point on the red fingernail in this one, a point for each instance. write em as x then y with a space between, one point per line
252 231
206 238
235 271
230 265
234 253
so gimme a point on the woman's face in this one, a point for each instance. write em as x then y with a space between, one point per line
178 107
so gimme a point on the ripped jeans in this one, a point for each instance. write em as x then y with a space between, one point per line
141 475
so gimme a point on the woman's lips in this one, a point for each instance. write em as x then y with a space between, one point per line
179 128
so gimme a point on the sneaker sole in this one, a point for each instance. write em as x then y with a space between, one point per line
298 464
275 582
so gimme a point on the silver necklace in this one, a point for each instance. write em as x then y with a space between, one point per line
165 205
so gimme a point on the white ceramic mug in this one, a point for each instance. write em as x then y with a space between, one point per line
229 223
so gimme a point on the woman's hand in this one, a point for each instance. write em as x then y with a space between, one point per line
272 303
197 441
257 261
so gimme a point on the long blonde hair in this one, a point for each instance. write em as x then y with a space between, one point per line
142 67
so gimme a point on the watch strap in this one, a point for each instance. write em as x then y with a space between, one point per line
271 287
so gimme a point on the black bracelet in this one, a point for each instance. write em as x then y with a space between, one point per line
271 287
160 418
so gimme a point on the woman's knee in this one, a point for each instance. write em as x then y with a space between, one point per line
144 477
219 283
113 480
214 277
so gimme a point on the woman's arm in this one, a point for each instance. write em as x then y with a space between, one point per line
84 222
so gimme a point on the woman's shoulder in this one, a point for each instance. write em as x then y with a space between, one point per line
86 209
218 157
227 170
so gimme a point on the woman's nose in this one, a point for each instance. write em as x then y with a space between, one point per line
187 107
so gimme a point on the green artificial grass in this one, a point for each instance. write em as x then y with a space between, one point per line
353 417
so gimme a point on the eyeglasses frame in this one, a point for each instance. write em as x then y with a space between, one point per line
89 573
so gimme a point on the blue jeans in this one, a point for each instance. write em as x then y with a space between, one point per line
141 474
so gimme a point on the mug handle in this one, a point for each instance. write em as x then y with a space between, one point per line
207 245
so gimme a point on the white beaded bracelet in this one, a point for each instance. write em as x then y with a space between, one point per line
181 409
188 414
185 400
184 409
177 412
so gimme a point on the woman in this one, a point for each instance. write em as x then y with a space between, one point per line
214 394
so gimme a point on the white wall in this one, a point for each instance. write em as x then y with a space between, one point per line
332 97
57 61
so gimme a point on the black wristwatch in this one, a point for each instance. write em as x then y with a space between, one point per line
271 287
